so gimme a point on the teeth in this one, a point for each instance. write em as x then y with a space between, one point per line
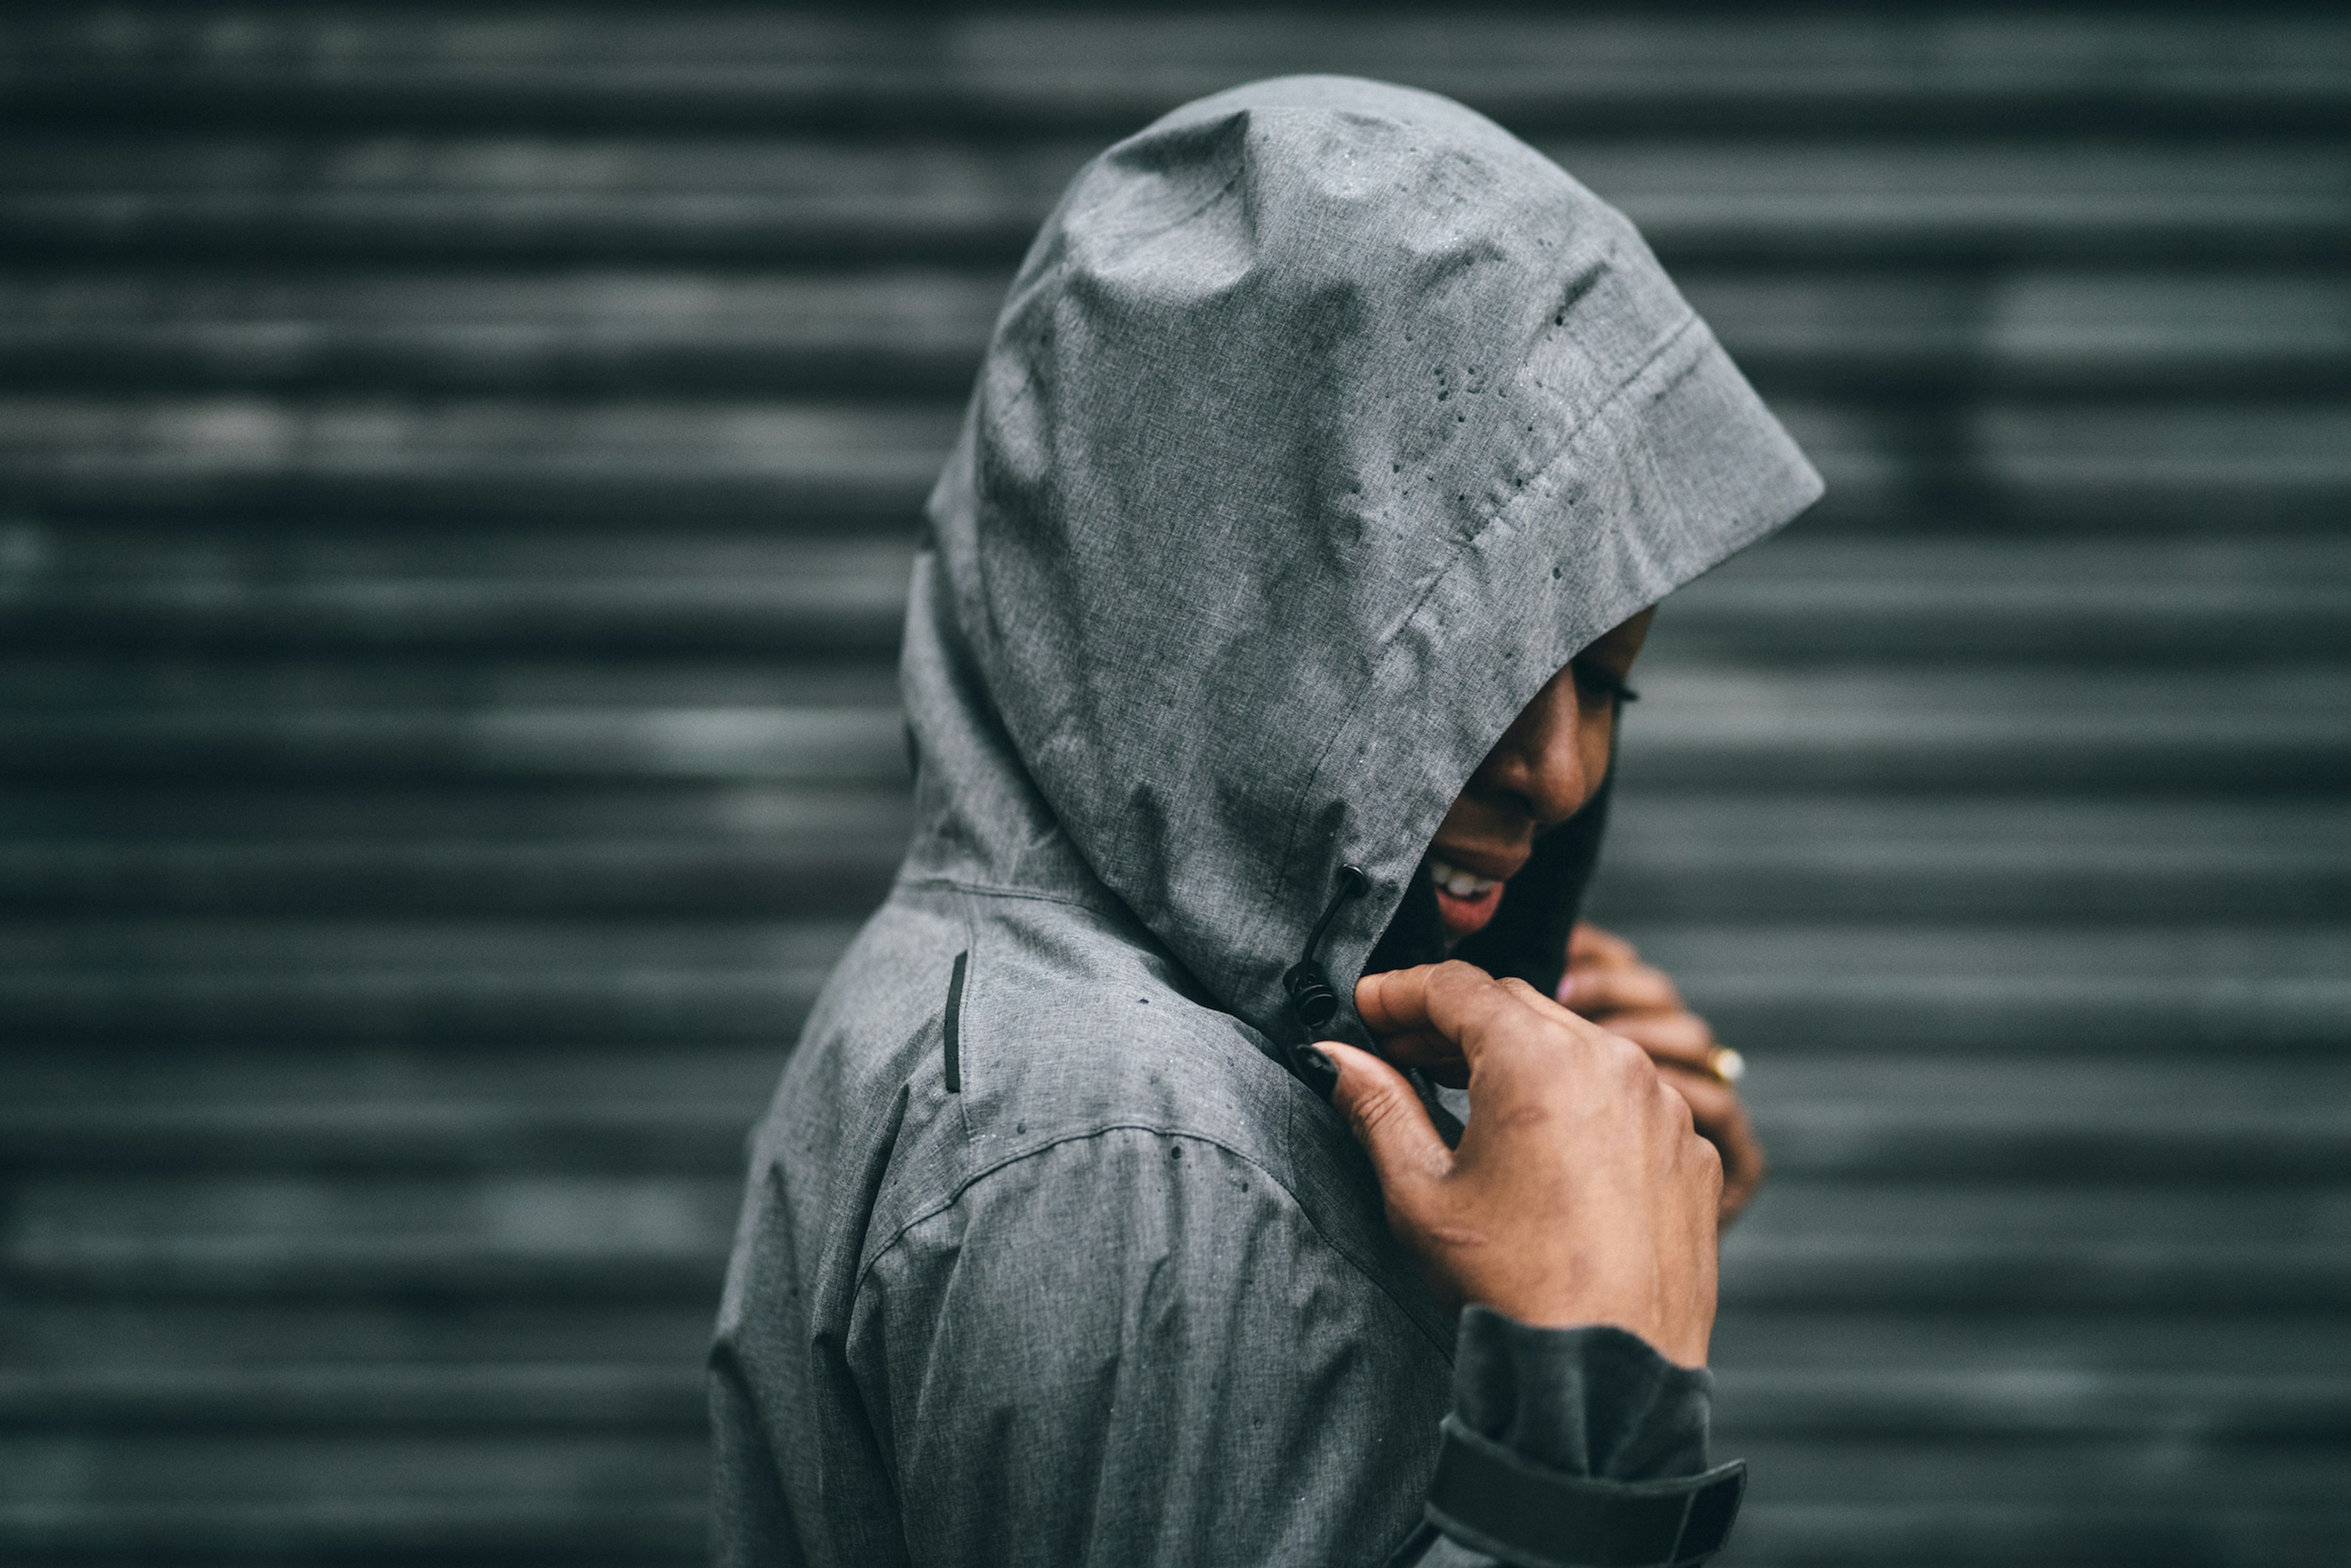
1459 882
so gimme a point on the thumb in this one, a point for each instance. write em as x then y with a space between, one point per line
1388 1119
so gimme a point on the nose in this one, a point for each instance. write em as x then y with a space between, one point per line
1544 758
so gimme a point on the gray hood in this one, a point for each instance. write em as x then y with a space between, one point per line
1325 422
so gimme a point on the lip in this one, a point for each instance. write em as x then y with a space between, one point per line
1464 918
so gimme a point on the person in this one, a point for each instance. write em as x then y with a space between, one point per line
1270 634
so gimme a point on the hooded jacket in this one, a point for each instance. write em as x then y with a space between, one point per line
1323 423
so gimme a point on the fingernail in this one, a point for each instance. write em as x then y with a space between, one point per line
1322 1073
1566 983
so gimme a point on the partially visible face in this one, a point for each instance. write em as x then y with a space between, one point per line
1547 765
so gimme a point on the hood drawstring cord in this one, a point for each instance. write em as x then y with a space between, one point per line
1312 1001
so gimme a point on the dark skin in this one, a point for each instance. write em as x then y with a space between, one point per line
1541 772
1580 1192
1599 1161
1608 984
1548 764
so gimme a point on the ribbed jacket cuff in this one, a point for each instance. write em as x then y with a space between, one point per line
1594 1402
1580 1446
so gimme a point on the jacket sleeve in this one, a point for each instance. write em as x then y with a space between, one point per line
1135 1348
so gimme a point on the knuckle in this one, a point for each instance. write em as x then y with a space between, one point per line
1630 1064
1458 975
1675 1106
1441 983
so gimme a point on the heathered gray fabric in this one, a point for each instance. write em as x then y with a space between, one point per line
1324 422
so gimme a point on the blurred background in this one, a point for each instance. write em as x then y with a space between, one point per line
458 469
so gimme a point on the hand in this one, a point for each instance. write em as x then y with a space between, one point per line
1607 983
1580 1194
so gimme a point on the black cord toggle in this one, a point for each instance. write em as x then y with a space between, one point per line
1312 1001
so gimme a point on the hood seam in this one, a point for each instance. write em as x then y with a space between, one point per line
1569 444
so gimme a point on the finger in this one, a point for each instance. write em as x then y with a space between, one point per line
1714 1105
1423 1049
1739 1188
1682 1039
1721 1119
1638 987
1395 1002
1459 1002
1389 1121
1575 1024
1428 1053
1591 945
1453 1074
1548 1007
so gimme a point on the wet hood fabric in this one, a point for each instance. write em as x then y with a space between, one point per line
1324 422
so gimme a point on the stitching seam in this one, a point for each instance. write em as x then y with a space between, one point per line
975 1178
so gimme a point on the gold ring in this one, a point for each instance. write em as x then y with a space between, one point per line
1726 1065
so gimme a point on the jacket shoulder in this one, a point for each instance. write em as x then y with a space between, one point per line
968 1033
1069 1027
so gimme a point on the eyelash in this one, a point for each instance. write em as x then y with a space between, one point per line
1602 682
